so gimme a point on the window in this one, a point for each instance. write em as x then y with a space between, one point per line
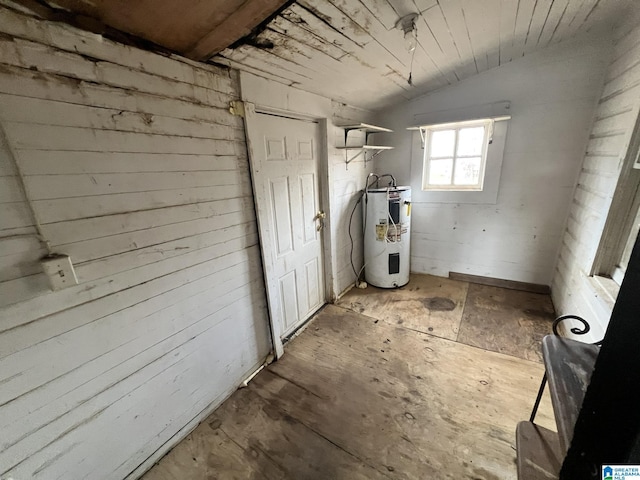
626 232
623 219
455 155
623 258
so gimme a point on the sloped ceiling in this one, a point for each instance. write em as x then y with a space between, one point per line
350 50
347 50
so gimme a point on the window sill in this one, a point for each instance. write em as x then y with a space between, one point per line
606 288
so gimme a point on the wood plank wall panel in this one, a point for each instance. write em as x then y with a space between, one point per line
553 95
330 46
138 171
617 112
348 182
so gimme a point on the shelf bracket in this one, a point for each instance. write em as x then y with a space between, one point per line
373 156
361 152
368 130
346 135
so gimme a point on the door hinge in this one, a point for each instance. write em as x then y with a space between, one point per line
236 107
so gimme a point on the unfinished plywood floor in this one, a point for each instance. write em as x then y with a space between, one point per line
492 318
355 397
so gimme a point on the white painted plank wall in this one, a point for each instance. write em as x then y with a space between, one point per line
347 183
553 93
618 108
138 171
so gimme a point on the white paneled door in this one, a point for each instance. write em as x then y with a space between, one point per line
285 165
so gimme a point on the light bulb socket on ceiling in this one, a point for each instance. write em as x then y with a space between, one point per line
408 26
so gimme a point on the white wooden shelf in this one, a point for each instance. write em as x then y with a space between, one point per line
362 149
365 127
366 147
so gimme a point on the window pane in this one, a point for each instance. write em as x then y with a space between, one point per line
467 171
470 141
440 171
442 142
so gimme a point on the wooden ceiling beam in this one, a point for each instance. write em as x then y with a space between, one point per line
238 25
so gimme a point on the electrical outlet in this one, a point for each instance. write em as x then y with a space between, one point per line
60 271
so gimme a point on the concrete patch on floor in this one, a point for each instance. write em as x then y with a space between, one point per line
506 321
429 304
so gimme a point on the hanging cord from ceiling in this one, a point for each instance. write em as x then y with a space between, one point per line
410 79
409 29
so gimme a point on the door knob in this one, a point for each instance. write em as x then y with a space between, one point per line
320 217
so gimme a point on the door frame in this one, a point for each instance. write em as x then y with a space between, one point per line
251 112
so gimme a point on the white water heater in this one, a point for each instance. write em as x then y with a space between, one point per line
387 230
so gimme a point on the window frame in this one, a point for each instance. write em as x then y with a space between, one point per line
620 229
427 133
628 237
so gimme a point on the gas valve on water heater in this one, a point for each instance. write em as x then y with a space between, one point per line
387 230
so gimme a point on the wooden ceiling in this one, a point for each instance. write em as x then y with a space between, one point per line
350 50
196 29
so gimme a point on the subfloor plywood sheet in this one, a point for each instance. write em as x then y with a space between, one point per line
506 321
358 398
427 303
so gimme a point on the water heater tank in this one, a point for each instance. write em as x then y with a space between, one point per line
387 230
